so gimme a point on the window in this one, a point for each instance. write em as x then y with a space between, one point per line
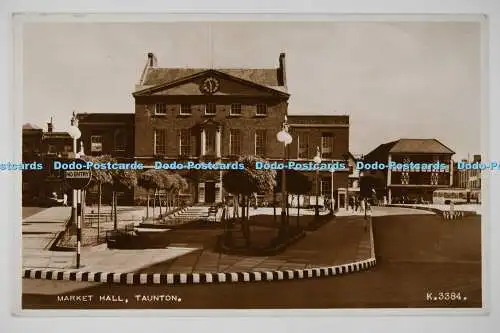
120 140
186 109
303 145
96 143
210 109
261 109
52 149
235 110
184 142
68 149
325 186
260 142
210 142
327 145
161 109
160 142
235 142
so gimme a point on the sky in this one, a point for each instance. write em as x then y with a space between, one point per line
394 79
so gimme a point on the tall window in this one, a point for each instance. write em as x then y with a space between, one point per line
325 186
235 142
303 145
161 109
210 141
120 140
261 109
235 109
327 145
260 142
186 109
96 143
210 109
160 141
185 142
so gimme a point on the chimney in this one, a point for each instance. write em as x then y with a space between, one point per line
50 126
151 59
282 70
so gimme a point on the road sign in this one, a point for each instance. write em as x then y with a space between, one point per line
79 178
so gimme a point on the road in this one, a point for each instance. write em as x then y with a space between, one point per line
418 257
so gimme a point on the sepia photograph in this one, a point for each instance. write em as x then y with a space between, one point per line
260 164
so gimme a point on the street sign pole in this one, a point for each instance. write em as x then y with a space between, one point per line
79 228
78 179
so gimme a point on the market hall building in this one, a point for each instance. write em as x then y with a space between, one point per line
400 186
219 115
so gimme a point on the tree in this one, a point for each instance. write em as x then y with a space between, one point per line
246 182
100 177
296 183
150 180
122 180
367 187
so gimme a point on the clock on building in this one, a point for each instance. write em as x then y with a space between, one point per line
210 85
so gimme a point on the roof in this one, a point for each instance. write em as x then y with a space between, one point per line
29 126
318 119
56 135
427 146
264 76
105 117
432 146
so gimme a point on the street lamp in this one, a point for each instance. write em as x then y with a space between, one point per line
317 160
284 137
75 134
332 206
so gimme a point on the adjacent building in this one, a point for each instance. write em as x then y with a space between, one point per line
44 147
411 185
468 178
328 136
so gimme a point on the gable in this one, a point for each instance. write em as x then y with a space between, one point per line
212 82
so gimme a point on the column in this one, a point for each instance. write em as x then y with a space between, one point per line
451 172
217 142
203 142
389 171
221 189
201 192
218 192
389 196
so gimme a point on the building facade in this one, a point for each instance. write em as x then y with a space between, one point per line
44 147
111 134
468 178
208 115
328 136
414 185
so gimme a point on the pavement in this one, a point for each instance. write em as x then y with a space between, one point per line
340 241
41 229
477 208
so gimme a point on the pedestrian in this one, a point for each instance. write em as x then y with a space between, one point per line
65 199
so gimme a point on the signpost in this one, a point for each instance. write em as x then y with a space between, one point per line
78 179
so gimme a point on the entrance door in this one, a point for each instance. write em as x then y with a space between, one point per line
209 192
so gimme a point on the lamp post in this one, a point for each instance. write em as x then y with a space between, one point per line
317 160
332 206
75 133
284 137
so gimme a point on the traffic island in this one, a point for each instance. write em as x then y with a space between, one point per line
343 247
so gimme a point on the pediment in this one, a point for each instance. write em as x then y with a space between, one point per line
211 82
